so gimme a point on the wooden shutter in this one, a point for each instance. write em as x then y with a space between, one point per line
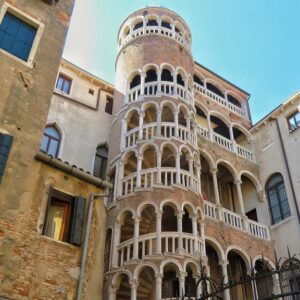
5 146
77 221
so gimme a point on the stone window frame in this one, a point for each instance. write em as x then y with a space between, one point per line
29 20
66 77
292 116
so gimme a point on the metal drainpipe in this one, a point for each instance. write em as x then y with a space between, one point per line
86 242
288 168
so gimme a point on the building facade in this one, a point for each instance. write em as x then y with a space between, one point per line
186 181
277 139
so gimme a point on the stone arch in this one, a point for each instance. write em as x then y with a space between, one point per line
140 267
243 130
170 145
168 67
209 159
127 154
149 66
171 203
143 205
168 103
191 261
217 247
269 262
170 261
130 111
229 166
180 70
191 209
216 84
146 146
116 278
252 178
147 104
121 214
241 252
220 116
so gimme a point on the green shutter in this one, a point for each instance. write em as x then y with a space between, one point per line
77 221
5 146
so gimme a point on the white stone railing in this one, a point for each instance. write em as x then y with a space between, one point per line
206 92
168 176
169 245
236 221
226 144
155 30
159 88
168 130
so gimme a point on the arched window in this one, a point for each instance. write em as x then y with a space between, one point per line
278 201
100 161
51 141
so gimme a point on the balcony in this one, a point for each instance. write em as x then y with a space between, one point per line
167 129
163 177
216 98
236 221
226 144
169 245
157 89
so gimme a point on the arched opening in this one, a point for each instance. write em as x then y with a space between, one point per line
127 226
169 219
130 164
220 127
184 159
150 114
277 198
137 25
135 81
168 159
126 31
166 75
166 24
180 80
214 89
201 121
187 224
124 290
107 249
167 114
198 80
227 191
146 289
182 116
240 138
100 163
237 269
234 101
152 22
250 198
151 75
264 284
207 185
149 158
148 220
133 120
170 282
51 140
215 269
190 280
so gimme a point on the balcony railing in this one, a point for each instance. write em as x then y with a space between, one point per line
168 176
157 30
236 221
211 95
160 88
167 131
169 245
226 144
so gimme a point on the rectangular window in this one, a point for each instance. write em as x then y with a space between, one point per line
109 105
5 146
91 91
16 36
64 217
64 83
294 121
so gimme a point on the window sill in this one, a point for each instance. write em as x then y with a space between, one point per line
59 242
293 130
286 220
28 63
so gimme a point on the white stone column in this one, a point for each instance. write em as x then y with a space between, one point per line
178 168
238 184
112 293
210 130
179 229
143 75
195 233
158 282
182 283
216 188
158 154
123 133
159 82
175 83
158 231
144 26
159 25
141 123
116 235
198 170
232 138
136 238
138 171
133 289
224 265
158 121
176 113
120 178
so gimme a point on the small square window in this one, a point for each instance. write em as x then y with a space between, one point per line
294 121
109 105
16 36
64 217
91 92
64 84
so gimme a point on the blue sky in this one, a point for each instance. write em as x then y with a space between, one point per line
254 44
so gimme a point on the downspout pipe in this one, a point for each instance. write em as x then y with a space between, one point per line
92 198
288 169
